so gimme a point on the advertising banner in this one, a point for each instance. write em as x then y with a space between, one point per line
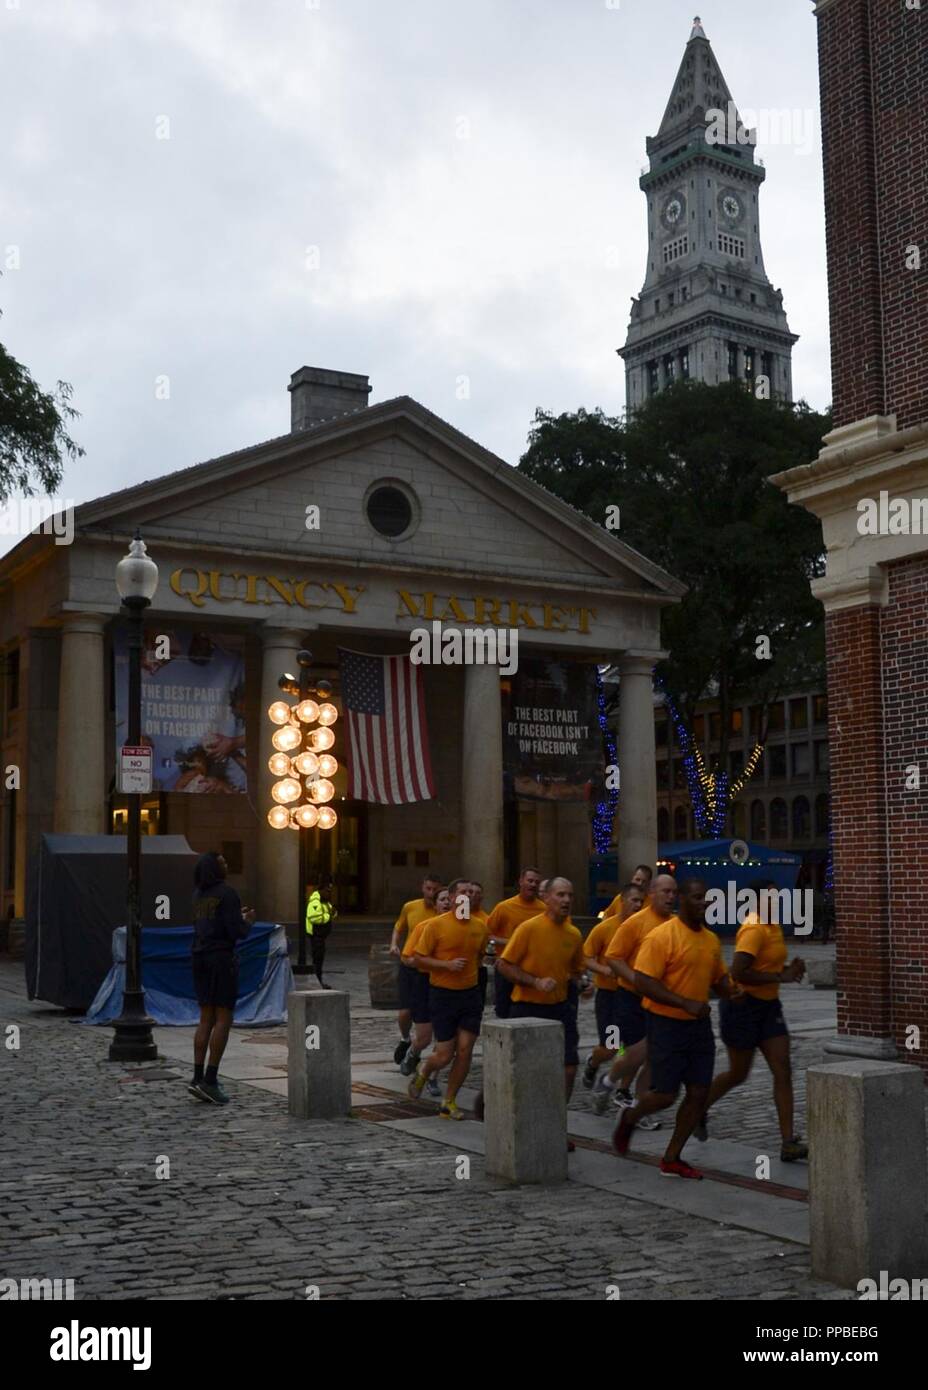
552 742
193 708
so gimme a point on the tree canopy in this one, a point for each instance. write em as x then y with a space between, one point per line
34 439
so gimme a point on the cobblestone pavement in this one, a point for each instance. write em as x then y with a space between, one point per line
255 1205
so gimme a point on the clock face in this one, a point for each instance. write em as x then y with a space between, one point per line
674 209
731 207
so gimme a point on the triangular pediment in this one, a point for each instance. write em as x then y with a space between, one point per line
699 87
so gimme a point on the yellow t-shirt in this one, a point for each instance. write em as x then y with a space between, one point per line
627 938
412 938
594 948
411 914
480 916
448 938
615 907
546 950
686 961
764 941
511 913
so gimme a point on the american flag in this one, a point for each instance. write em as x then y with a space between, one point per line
388 741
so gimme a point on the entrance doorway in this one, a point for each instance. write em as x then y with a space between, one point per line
342 855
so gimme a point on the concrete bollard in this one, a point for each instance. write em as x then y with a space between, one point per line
525 1106
867 1185
318 1054
822 974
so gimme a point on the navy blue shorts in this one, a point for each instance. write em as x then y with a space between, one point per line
454 1010
681 1052
606 1006
747 1022
631 1017
419 998
502 993
215 978
565 1013
406 983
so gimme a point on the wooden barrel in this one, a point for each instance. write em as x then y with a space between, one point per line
383 978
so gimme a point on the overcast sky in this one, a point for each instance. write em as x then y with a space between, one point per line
467 174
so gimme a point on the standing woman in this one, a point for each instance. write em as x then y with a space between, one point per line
755 1019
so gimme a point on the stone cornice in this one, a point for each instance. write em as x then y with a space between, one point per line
856 458
868 586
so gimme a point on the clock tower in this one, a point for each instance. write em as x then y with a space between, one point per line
706 311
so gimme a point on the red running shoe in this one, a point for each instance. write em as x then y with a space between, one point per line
621 1137
679 1169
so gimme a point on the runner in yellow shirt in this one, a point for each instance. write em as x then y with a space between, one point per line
607 986
419 998
505 917
411 914
675 969
641 878
755 1020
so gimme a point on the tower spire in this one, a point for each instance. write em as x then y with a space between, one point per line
698 31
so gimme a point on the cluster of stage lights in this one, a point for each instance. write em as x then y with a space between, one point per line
300 767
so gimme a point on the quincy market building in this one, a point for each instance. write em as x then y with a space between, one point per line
416 523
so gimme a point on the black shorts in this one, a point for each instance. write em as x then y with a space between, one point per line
747 1022
454 1010
419 998
215 978
681 1052
631 1017
406 983
502 993
565 1013
606 1006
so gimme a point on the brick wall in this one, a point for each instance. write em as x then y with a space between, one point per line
873 56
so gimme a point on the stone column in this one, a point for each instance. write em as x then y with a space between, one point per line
636 754
278 850
81 778
482 781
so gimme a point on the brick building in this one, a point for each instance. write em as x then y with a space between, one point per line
874 82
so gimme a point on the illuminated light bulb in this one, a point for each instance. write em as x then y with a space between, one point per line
306 816
321 790
279 817
327 714
286 791
321 739
328 766
307 711
279 764
306 764
279 712
327 818
286 739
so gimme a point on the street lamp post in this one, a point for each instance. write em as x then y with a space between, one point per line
305 765
136 583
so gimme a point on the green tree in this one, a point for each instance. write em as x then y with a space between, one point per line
689 473
34 438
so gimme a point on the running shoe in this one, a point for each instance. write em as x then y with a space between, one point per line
599 1100
409 1063
212 1091
399 1052
648 1122
701 1132
588 1079
432 1088
678 1169
793 1150
414 1089
622 1136
451 1111
194 1089
622 1098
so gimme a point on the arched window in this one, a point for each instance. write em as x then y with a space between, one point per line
779 819
663 823
758 821
679 823
822 814
736 818
802 819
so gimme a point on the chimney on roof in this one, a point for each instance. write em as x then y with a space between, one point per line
317 394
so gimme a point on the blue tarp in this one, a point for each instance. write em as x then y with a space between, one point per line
265 977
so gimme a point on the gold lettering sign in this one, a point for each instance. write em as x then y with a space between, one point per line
495 612
195 585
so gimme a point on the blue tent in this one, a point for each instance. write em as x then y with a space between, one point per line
711 861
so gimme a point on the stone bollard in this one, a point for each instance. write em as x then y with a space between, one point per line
318 1054
525 1105
822 974
867 1185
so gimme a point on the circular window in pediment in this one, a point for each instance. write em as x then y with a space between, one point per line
392 509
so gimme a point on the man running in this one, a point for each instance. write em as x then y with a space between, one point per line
503 921
628 1010
451 948
594 948
478 914
419 998
219 922
411 914
677 966
541 959
755 1021
641 878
